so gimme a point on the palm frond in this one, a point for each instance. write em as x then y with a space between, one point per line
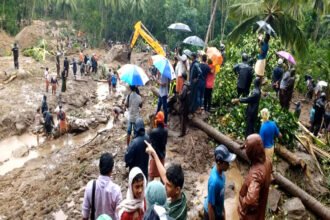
242 28
290 33
246 9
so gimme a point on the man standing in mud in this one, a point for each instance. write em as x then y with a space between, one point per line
251 113
63 76
58 66
102 196
15 54
214 202
133 103
66 66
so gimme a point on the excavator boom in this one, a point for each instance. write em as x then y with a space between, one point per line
141 30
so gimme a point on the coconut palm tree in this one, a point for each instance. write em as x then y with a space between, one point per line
282 15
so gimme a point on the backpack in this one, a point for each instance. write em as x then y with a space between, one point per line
61 115
44 107
48 118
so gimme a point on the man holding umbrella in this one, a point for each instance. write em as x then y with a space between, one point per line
263 50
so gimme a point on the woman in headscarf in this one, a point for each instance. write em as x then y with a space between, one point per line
133 207
156 201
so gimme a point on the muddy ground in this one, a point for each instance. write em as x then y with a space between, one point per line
46 179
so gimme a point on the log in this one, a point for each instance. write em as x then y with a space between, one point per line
10 79
290 157
321 153
310 149
317 140
309 201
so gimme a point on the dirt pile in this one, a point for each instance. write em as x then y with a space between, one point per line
118 53
5 43
30 35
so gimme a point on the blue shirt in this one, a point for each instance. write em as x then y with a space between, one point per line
216 191
268 131
264 51
114 79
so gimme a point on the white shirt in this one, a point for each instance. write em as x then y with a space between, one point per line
47 76
180 66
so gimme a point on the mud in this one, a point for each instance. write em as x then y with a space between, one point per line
48 179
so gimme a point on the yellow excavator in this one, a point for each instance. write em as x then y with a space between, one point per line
141 30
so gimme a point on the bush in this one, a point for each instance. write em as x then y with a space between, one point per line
230 118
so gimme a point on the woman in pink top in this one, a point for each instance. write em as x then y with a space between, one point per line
209 86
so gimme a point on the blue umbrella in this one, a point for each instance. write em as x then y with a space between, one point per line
133 75
164 66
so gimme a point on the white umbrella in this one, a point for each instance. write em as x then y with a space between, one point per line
322 83
179 27
194 40
264 25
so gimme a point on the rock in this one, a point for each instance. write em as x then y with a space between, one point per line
230 190
273 199
21 152
282 167
294 209
20 127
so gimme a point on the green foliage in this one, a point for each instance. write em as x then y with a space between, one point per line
230 118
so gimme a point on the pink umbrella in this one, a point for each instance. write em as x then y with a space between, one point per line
287 56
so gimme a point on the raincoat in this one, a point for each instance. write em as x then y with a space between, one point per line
136 155
254 192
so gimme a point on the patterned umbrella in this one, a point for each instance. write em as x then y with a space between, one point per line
164 66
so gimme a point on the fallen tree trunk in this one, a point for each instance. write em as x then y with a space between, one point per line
290 157
321 153
310 202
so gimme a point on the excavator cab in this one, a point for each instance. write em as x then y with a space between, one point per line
141 30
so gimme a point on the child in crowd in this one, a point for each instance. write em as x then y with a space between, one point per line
134 206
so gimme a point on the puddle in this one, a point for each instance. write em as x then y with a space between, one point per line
233 175
13 163
60 215
9 147
102 91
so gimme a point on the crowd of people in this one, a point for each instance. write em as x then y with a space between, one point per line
145 155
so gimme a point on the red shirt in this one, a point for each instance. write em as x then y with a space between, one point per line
137 215
210 78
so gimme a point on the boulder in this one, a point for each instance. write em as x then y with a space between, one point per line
274 197
20 127
294 209
118 53
21 152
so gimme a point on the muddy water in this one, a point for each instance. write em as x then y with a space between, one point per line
9 160
59 215
233 177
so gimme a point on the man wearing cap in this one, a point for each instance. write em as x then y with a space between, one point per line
214 202
195 72
277 76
